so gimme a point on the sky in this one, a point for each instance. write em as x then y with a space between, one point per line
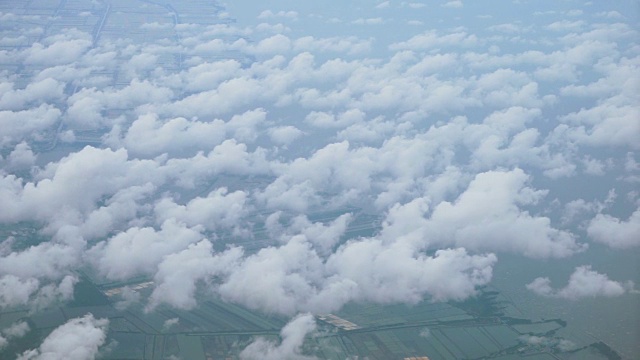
471 131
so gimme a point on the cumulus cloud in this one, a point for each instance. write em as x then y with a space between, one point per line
179 272
77 339
290 347
583 283
615 232
17 330
21 157
33 293
304 273
469 222
26 124
562 345
453 4
138 251
458 148
431 39
285 135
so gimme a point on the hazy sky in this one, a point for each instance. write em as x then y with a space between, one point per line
473 130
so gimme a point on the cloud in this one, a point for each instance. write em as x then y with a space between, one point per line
583 283
268 14
17 330
560 344
368 21
70 188
138 251
149 136
43 91
293 335
453 4
431 39
26 124
284 135
57 51
77 339
22 157
468 222
201 137
170 323
219 210
614 232
179 272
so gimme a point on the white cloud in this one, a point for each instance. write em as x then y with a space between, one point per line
179 272
422 129
293 335
583 283
26 124
284 135
503 226
616 233
37 92
150 136
58 52
268 14
16 330
219 210
453 4
22 157
431 39
368 21
138 251
77 339
169 323
566 25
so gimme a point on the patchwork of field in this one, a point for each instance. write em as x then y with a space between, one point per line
220 330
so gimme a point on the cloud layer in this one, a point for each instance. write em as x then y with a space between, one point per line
310 158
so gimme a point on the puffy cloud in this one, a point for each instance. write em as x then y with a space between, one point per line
26 124
42 91
28 291
86 106
58 51
368 21
170 323
268 14
304 273
149 136
17 330
138 251
48 260
69 189
21 157
419 133
77 339
382 5
293 335
295 278
453 4
615 232
583 283
284 135
179 272
503 226
431 39
219 209
15 291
